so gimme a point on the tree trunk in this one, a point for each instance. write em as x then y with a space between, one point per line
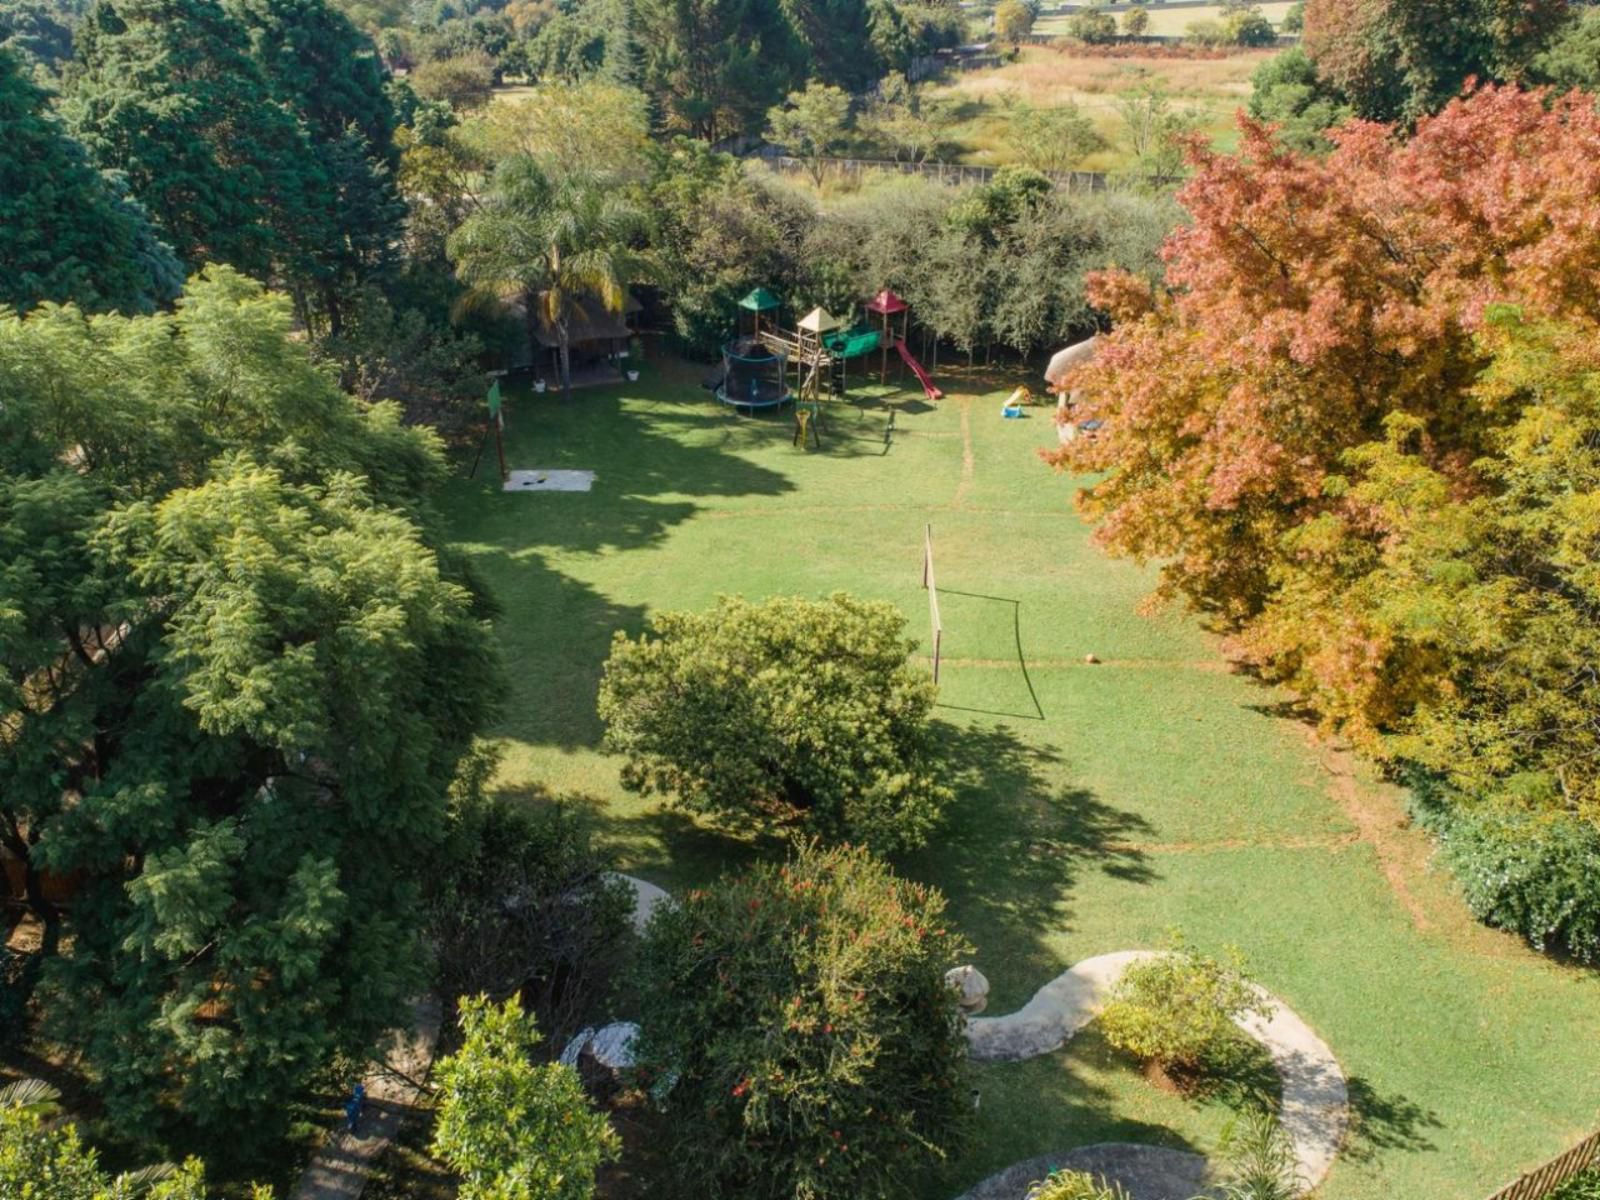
530 314
330 301
566 359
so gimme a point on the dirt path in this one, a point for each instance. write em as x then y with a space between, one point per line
339 1171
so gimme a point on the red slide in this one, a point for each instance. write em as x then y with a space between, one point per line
916 369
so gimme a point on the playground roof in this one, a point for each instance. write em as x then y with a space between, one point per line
588 320
818 320
759 300
886 302
1064 360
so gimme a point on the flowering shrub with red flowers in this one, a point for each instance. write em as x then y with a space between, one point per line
801 1013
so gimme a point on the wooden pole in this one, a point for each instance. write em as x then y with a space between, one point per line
884 365
500 444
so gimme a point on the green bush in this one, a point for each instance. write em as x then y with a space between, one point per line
786 714
1258 1159
1074 1185
525 904
798 1029
1247 27
1093 26
513 1130
1179 1009
1580 1187
1533 874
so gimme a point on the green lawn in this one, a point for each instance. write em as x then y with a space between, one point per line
1098 805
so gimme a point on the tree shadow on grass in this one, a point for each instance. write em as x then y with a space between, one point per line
1015 841
1380 1123
1046 1107
651 458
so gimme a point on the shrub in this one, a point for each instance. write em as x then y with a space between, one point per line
1093 26
1074 1185
525 905
1533 874
801 1015
513 1130
791 713
1580 1187
1247 27
1135 21
1178 1009
1258 1161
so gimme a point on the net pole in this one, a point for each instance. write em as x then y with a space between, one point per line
931 584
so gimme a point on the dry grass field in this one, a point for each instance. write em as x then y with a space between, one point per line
1214 88
1174 22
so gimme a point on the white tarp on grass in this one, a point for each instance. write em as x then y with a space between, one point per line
549 481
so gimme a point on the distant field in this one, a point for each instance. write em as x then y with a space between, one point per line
1050 76
1173 22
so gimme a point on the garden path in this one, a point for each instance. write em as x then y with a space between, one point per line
339 1171
1314 1113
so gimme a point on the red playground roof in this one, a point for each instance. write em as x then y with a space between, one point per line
886 302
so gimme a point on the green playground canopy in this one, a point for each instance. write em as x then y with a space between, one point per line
759 300
852 343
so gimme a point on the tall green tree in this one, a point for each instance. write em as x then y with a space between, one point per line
548 243
320 68
714 67
206 552
65 234
1404 59
167 93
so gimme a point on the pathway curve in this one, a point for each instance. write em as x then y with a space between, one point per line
1314 1112
339 1171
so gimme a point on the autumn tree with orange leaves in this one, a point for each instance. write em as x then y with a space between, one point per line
1360 427
1326 423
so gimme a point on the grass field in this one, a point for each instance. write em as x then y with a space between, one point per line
1098 805
1046 77
1168 21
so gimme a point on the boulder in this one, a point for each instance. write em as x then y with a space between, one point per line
971 988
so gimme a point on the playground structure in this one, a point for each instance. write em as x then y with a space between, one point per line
755 365
753 376
888 306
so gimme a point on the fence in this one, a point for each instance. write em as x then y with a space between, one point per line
1540 1183
951 173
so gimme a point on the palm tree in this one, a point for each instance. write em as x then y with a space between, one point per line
548 242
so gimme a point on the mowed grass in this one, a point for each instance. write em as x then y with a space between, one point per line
1050 76
1098 804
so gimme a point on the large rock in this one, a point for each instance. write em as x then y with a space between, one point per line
971 987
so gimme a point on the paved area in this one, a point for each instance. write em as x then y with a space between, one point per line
646 896
339 1171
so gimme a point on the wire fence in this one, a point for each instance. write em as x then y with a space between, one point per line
1537 1184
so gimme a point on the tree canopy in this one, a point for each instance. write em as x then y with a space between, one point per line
1356 428
1402 59
797 1024
207 551
66 234
786 712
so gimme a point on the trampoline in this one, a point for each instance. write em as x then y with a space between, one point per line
753 376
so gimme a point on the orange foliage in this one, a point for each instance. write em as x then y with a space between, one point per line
1316 311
